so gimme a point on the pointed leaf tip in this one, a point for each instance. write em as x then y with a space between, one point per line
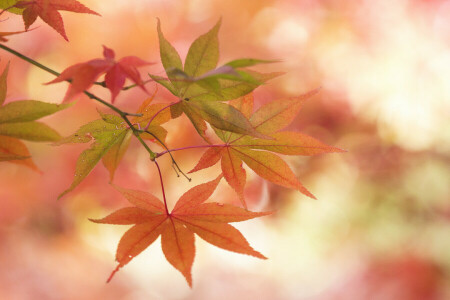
108 52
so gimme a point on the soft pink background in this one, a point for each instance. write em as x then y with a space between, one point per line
381 226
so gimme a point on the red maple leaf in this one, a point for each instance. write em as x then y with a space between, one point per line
83 75
190 216
47 10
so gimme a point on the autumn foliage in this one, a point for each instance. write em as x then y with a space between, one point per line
206 93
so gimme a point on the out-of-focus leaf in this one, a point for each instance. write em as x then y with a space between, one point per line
31 131
17 121
28 110
83 75
47 10
15 148
9 5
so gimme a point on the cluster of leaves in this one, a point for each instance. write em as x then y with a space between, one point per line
18 122
201 88
205 93
238 148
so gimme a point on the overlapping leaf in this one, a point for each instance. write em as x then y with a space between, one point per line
268 120
200 86
191 215
83 75
18 122
47 10
111 140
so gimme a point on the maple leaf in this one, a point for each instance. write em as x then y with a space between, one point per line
48 11
9 5
111 137
18 121
269 119
83 75
200 86
191 215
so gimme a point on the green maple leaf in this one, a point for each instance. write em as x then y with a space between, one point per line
18 122
201 86
111 137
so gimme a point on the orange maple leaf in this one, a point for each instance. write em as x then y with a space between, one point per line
238 148
190 216
83 75
47 10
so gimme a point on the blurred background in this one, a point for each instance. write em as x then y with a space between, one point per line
380 228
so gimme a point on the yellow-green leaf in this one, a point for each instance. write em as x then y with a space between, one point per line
7 4
31 131
111 119
112 158
85 133
165 83
28 110
169 56
104 141
248 62
203 54
229 89
224 116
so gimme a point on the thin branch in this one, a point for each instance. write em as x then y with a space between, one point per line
31 61
122 114
162 187
135 85
174 163
154 116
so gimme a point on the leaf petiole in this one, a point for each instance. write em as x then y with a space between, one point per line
121 113
189 147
